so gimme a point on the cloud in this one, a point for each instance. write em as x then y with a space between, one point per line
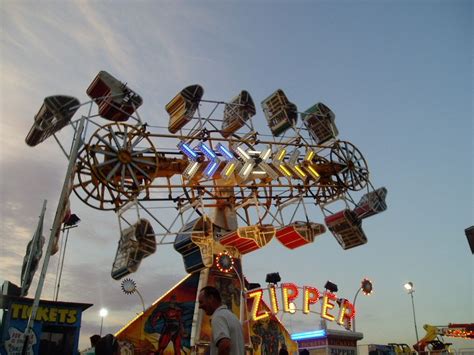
21 207
101 32
19 31
85 284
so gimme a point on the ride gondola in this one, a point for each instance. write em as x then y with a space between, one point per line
116 101
238 111
299 233
346 228
194 242
280 113
136 242
55 113
183 106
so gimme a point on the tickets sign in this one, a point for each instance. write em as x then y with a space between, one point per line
45 314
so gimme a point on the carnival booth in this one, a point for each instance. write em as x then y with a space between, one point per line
55 329
328 342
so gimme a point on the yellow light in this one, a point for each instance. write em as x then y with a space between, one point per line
278 163
344 316
300 171
257 314
230 169
310 296
309 155
282 154
289 293
285 170
327 305
273 299
286 304
313 172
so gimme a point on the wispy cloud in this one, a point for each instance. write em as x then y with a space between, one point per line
100 32
20 32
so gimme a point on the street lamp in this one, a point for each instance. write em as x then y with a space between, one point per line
102 313
128 287
366 287
410 289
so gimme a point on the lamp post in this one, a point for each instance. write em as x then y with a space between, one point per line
410 289
128 287
102 313
366 287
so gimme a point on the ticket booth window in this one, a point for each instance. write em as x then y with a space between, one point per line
57 340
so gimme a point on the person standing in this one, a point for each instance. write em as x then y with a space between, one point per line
283 350
227 335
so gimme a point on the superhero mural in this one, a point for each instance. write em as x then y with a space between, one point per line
269 335
165 327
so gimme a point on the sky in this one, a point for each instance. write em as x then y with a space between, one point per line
397 74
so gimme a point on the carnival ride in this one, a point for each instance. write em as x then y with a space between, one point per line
433 339
228 187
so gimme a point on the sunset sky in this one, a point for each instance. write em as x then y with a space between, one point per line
397 74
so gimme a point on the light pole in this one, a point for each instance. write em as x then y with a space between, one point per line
102 313
128 287
410 289
366 287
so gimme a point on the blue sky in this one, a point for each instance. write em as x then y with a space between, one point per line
398 75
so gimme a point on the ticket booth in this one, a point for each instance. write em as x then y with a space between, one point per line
55 329
328 342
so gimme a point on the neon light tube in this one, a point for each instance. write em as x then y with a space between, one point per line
313 172
246 171
224 151
186 149
191 170
206 150
254 152
309 335
229 169
300 171
282 154
309 155
266 154
285 170
243 153
211 169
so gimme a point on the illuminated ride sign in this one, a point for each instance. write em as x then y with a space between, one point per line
245 162
331 307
